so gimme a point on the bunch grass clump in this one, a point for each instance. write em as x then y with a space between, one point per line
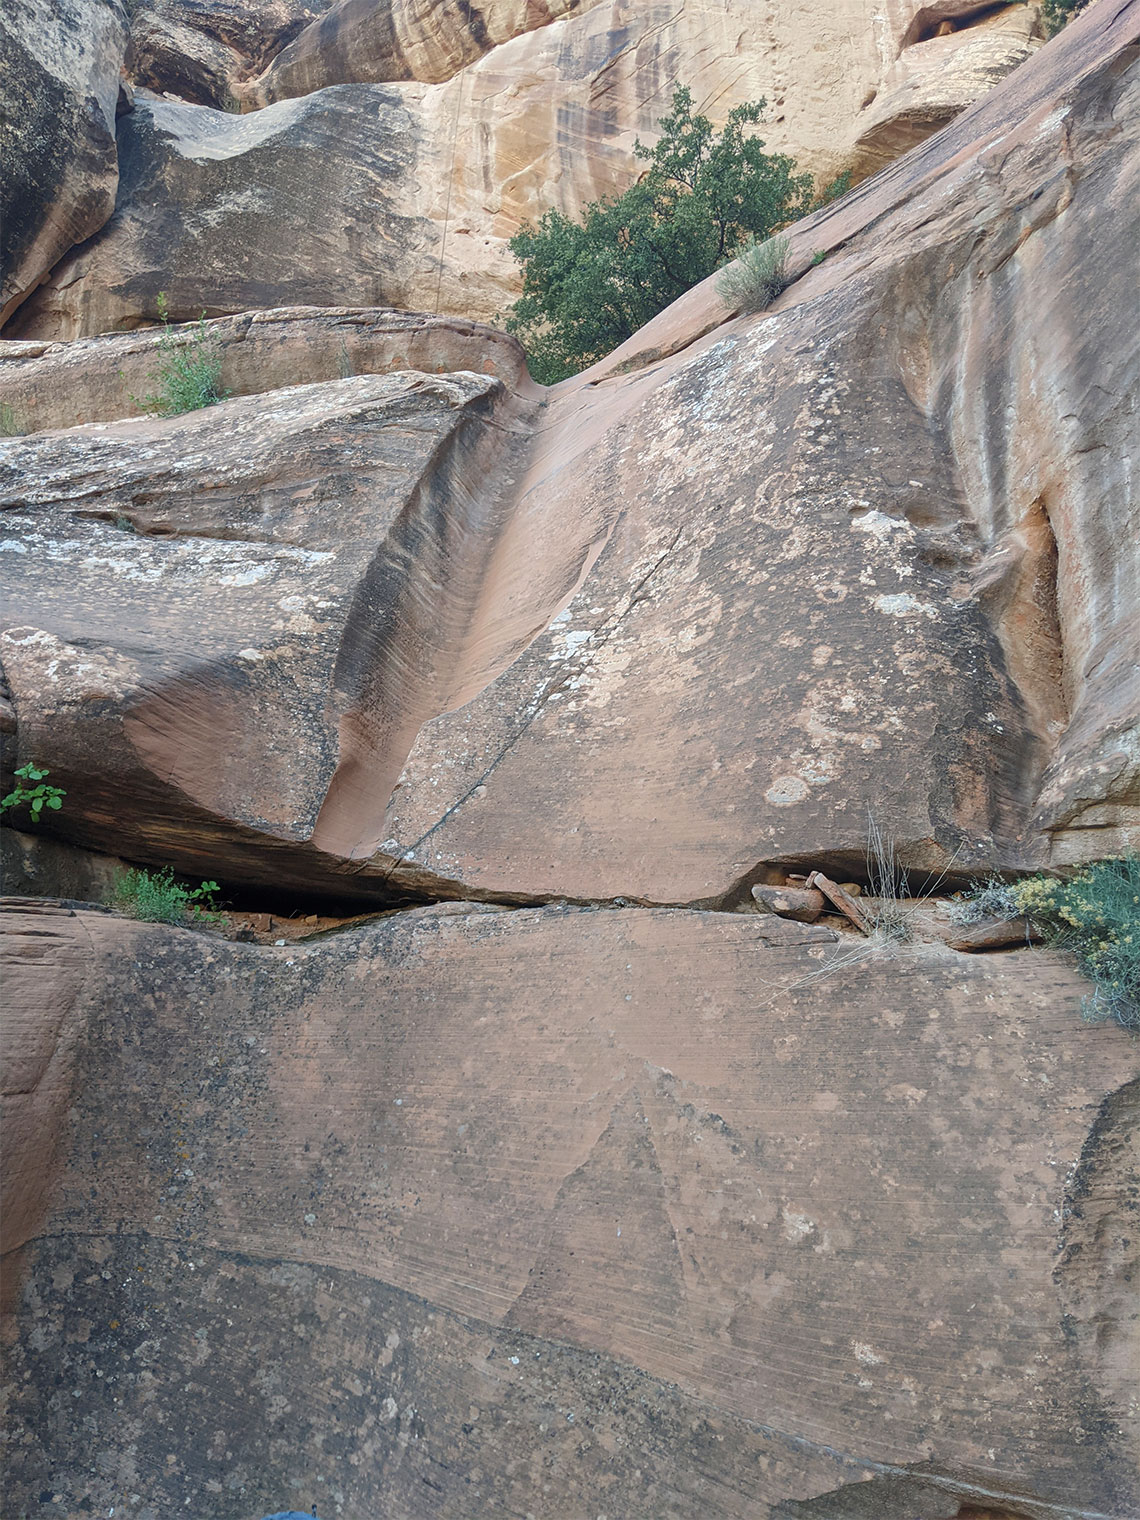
189 373
891 919
757 277
154 897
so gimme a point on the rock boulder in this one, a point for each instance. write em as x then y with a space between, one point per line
60 66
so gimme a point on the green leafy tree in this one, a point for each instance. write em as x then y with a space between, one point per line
589 285
1056 14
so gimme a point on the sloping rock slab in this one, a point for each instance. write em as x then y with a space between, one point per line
832 573
60 66
779 1217
276 563
60 385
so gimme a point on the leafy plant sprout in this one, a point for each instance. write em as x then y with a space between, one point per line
32 788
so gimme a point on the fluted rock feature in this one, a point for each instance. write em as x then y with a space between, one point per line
199 50
59 64
699 1215
379 41
368 191
697 614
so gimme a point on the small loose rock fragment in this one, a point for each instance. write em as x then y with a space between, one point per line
799 903
993 934
841 899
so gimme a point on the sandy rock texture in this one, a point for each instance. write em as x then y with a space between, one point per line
199 50
59 61
755 1228
354 188
882 560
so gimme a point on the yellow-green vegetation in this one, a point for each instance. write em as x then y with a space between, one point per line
154 897
1094 914
757 277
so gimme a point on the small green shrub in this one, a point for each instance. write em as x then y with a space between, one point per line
154 897
818 257
834 191
9 427
1095 915
757 277
32 789
189 372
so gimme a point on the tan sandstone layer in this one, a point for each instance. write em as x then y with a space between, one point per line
752 1220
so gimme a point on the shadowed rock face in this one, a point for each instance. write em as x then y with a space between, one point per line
701 611
752 1221
199 49
60 65
227 213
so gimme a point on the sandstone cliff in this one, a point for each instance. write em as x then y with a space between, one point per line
848 582
567 1185
402 145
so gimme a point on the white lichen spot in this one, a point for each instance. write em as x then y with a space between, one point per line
786 791
865 1354
796 1226
878 524
902 604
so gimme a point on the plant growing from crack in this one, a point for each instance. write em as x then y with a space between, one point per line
189 373
33 789
154 897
